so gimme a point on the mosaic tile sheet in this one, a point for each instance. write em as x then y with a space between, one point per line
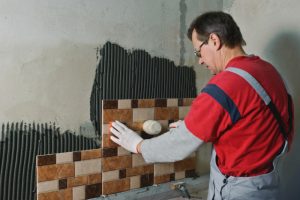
122 170
71 175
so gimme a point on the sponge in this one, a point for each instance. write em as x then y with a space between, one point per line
152 127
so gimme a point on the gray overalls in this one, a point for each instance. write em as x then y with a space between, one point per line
265 186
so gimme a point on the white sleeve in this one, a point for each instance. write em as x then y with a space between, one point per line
174 145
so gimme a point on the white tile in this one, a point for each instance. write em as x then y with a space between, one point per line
88 167
79 193
64 157
47 186
110 175
141 114
124 104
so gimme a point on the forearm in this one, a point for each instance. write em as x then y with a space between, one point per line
174 145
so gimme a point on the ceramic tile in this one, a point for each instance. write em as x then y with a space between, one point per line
172 102
140 170
77 181
160 102
190 173
116 186
183 111
110 104
142 114
76 156
147 180
136 126
138 160
94 178
135 182
110 175
62 184
122 173
163 178
46 159
186 164
105 129
166 113
51 172
79 193
64 157
146 103
57 195
107 142
90 154
123 152
124 104
179 175
188 101
164 125
134 103
47 186
88 167
163 168
92 191
122 115
117 162
109 152
180 102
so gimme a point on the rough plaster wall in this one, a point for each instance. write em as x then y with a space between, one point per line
272 31
48 50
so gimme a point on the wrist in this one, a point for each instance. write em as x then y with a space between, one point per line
138 147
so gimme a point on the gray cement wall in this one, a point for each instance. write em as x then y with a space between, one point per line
271 29
48 50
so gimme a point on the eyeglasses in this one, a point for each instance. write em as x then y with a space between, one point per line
198 52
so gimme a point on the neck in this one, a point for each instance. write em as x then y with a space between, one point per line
230 53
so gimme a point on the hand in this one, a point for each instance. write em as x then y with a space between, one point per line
125 136
175 124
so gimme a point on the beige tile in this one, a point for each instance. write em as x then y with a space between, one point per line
64 157
105 129
141 114
110 175
122 151
47 186
179 175
79 193
124 104
183 111
135 182
88 167
172 102
138 160
163 168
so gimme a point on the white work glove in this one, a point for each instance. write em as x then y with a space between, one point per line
125 136
175 124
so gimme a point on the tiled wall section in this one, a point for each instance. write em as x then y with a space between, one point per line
122 170
71 175
111 169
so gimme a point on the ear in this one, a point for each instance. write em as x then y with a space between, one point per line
216 41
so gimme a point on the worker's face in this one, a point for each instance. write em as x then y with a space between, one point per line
205 53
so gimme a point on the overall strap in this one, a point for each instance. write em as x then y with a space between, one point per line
266 98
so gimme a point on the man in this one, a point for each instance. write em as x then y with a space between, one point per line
244 111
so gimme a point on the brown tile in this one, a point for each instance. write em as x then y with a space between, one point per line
147 180
166 113
134 103
122 173
146 103
123 152
172 177
77 181
138 160
187 101
52 172
109 152
180 102
94 178
116 186
162 179
107 142
118 162
163 168
179 175
57 195
136 126
190 173
62 184
122 115
46 159
187 164
76 156
92 191
110 104
160 102
140 170
90 154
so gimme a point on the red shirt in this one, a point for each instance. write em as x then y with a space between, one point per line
243 130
